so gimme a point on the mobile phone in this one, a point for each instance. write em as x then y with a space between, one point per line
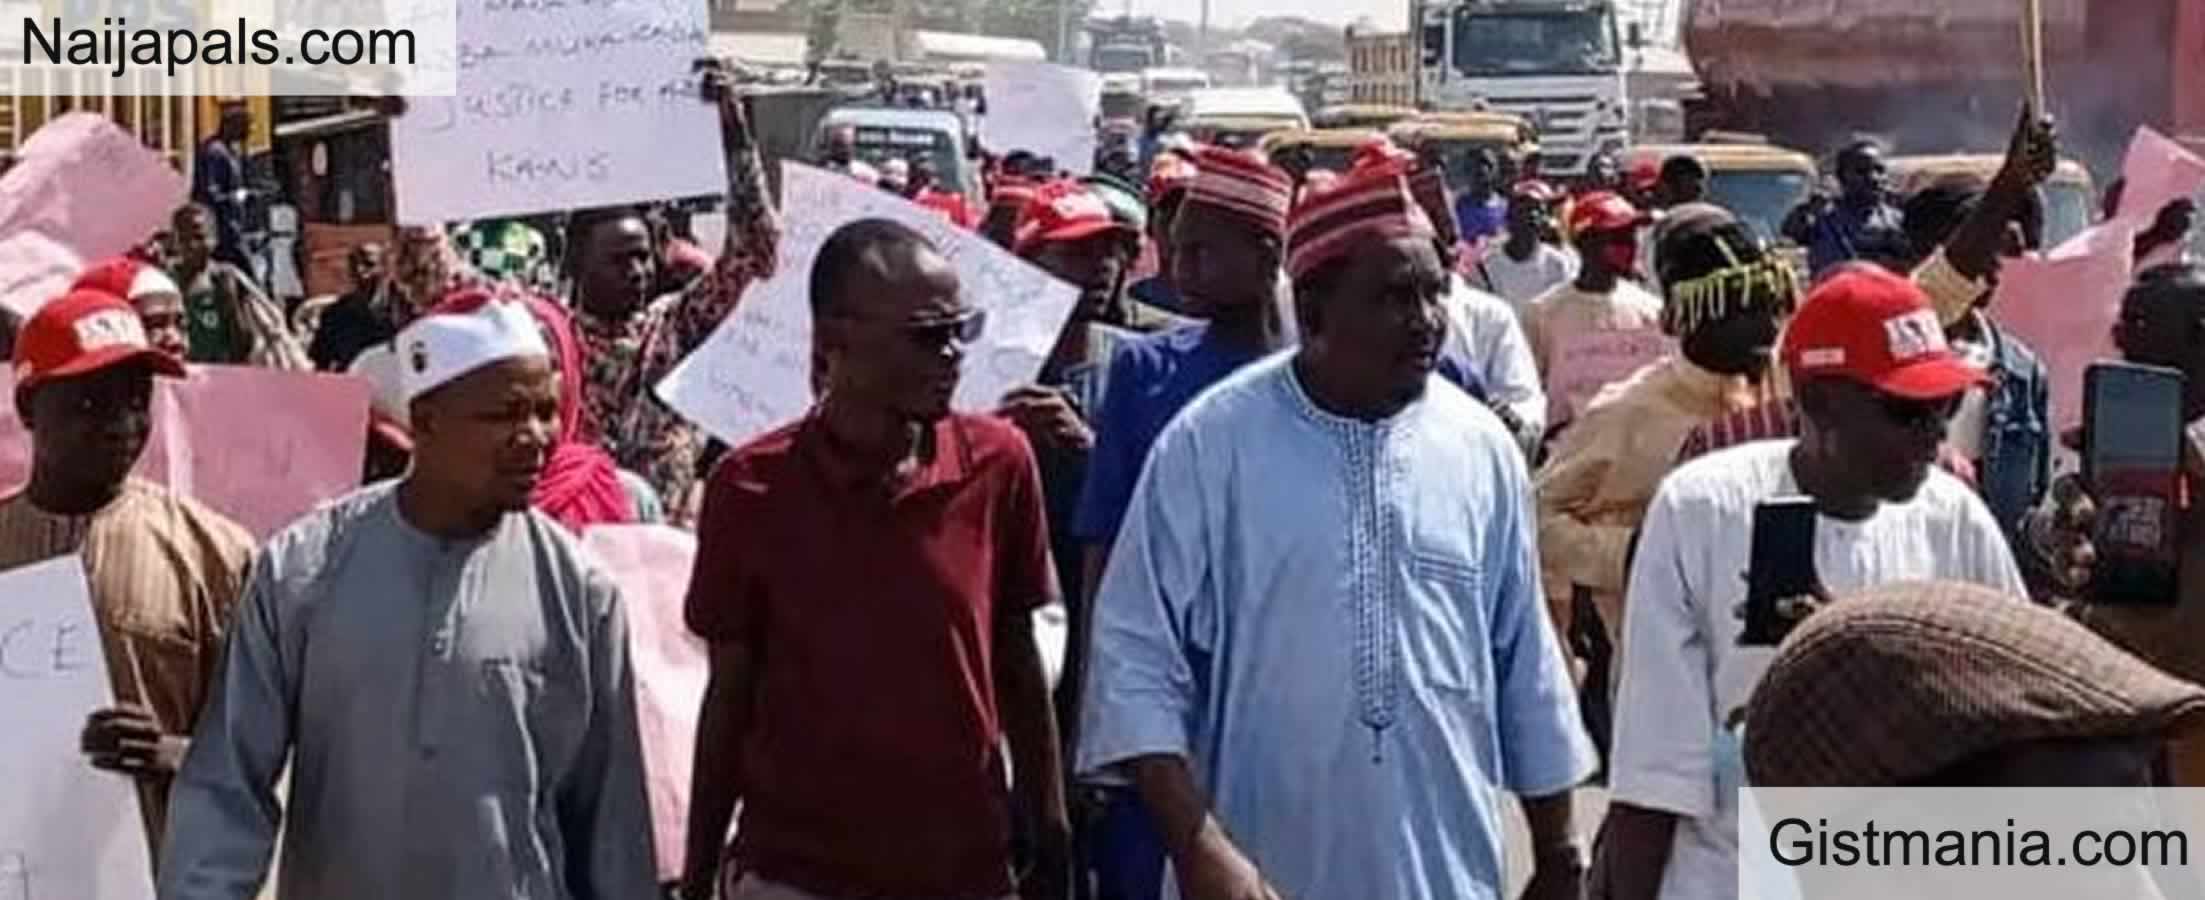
2132 461
1782 568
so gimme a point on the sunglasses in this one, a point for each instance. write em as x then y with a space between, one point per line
935 333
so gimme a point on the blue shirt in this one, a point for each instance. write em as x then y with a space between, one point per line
1869 232
1339 624
1151 378
1480 220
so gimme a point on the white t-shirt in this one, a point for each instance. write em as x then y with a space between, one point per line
1683 671
1483 329
1519 283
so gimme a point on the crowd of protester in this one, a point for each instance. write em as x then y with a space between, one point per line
1348 558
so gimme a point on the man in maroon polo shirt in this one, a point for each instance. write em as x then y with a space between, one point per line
866 577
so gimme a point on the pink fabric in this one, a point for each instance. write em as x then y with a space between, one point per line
2064 305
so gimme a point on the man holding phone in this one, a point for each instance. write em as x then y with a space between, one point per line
2162 323
1877 386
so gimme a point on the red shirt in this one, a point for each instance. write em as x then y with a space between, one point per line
872 766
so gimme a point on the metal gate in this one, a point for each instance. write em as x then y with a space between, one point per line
160 110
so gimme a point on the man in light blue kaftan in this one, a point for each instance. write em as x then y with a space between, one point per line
1330 617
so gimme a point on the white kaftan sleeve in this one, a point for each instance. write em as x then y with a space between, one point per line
1141 687
1544 749
1509 372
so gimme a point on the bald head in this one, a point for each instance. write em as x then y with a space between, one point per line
860 259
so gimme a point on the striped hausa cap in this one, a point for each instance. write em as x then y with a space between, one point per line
1242 185
1373 205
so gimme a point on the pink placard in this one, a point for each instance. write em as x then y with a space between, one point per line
1586 362
2064 304
2158 171
258 445
651 565
82 189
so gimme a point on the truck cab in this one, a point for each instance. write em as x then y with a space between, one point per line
1557 63
1173 85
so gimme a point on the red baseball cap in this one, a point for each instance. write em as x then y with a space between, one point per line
1643 173
1878 329
1603 211
1063 210
81 332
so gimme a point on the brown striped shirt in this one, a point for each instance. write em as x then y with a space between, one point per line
164 572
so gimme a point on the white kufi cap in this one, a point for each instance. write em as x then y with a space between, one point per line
443 346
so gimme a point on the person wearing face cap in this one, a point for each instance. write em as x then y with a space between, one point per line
1601 299
159 302
442 668
1876 385
164 571
1322 691
1070 232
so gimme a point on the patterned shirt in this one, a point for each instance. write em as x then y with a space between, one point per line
164 573
625 359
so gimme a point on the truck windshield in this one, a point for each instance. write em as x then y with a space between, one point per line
1111 59
1544 42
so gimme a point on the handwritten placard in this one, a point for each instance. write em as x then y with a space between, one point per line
259 446
1586 362
754 373
1045 109
562 105
82 189
66 830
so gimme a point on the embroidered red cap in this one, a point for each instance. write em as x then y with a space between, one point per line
81 332
1876 328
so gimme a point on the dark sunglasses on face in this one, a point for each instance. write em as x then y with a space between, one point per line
935 333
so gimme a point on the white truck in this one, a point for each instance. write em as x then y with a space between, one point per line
1557 63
